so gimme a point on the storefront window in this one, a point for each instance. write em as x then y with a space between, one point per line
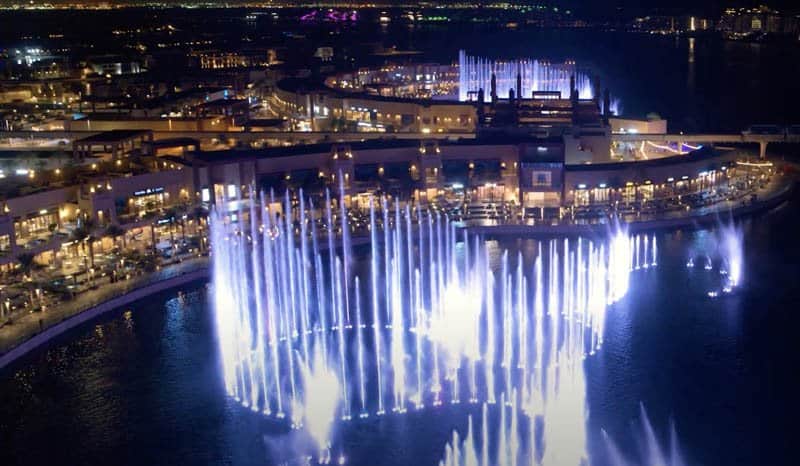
581 197
148 203
646 192
490 192
219 192
541 178
600 195
629 193
36 225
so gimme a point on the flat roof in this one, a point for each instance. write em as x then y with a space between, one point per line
703 154
265 122
233 155
310 85
114 135
175 142
223 103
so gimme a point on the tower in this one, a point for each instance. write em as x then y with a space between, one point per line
493 89
573 92
480 103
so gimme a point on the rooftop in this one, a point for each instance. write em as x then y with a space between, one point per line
113 136
311 85
232 155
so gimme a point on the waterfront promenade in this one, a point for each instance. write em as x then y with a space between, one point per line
29 331
33 329
774 193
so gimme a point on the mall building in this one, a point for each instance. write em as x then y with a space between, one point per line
496 167
144 203
532 173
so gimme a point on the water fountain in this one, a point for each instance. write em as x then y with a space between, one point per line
514 443
430 320
728 250
652 452
731 245
476 73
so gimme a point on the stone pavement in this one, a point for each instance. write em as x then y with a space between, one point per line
30 324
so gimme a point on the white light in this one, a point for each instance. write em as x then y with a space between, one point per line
320 401
427 338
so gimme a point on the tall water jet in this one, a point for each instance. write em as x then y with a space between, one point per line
475 73
732 252
437 321
652 452
319 401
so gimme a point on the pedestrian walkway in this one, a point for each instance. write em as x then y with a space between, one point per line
27 325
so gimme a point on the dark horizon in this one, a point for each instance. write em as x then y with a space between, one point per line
580 8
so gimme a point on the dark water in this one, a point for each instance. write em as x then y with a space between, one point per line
143 386
701 84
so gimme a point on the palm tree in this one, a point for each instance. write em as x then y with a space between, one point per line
200 214
170 214
115 231
181 215
27 263
84 233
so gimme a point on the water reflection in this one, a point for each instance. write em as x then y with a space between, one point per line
153 390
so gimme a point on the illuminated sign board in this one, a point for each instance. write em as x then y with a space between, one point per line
148 191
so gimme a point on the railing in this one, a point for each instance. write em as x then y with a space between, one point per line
27 325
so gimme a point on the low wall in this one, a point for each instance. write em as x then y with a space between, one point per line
91 313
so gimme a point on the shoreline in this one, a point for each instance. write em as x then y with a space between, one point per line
200 271
694 221
42 337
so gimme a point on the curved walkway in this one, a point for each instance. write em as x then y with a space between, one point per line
708 215
32 330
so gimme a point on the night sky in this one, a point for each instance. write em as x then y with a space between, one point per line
608 8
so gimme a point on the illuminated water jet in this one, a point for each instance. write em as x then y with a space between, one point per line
475 73
732 252
652 453
426 321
